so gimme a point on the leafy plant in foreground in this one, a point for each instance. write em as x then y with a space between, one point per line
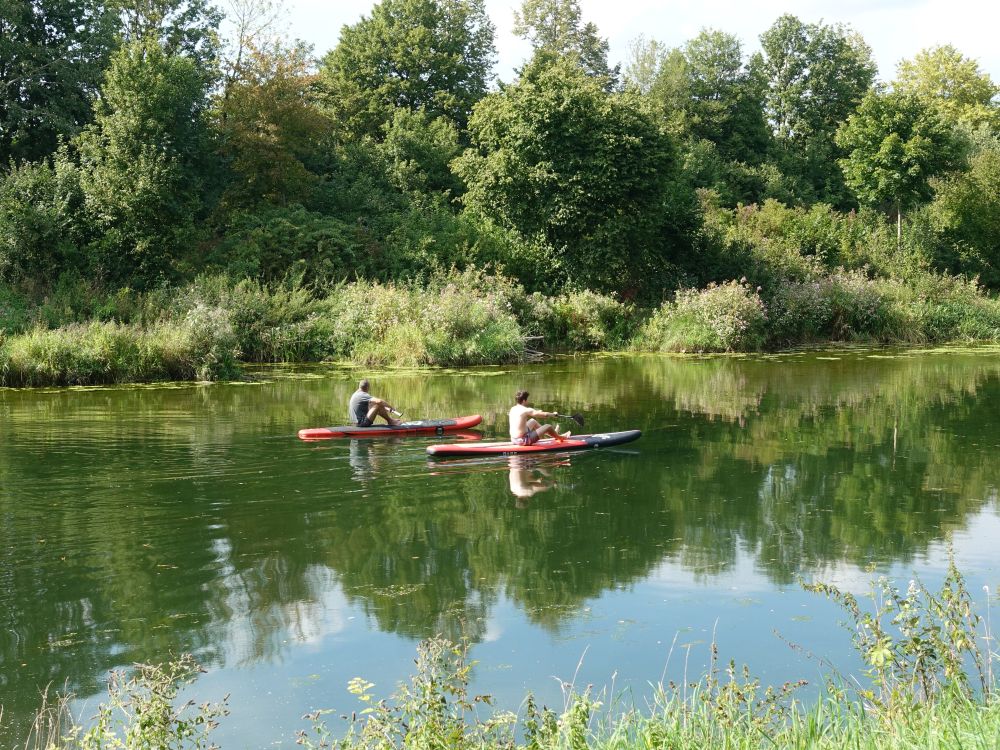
139 714
919 645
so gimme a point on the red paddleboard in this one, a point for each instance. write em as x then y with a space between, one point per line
576 442
415 427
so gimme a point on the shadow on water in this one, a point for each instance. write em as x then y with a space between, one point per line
138 523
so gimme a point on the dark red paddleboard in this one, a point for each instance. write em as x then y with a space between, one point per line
574 443
415 427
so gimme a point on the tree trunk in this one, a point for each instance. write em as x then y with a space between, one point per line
899 226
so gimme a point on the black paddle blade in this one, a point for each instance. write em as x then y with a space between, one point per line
578 418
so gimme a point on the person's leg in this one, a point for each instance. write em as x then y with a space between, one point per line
550 429
381 410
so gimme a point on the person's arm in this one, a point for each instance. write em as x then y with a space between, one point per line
542 414
380 402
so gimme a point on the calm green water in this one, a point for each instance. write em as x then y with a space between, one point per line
138 523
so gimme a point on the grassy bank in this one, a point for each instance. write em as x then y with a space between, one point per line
205 329
930 685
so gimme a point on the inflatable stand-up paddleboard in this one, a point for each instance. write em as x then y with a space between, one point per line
414 427
574 443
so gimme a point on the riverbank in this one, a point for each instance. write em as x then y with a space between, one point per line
207 329
930 684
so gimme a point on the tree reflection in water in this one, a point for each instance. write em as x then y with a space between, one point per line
137 523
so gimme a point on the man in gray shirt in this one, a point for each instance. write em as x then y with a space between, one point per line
364 408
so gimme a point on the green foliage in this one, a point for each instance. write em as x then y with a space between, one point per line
576 321
186 28
895 144
434 711
965 216
587 173
272 242
645 60
52 55
269 126
725 98
420 152
947 79
143 165
847 305
201 347
40 232
430 55
919 646
725 318
140 713
451 322
557 27
816 76
772 242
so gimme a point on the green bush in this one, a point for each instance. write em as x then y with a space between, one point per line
40 214
849 306
271 242
730 317
576 321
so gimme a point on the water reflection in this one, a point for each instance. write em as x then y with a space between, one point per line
365 457
529 476
139 523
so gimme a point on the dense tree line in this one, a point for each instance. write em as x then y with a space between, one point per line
138 148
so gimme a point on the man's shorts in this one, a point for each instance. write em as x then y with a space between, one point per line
529 438
366 422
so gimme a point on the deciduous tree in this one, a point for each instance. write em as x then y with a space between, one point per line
816 76
182 27
586 173
52 57
953 83
965 214
895 144
557 26
431 55
145 162
270 124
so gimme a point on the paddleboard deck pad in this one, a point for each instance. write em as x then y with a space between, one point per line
415 427
576 442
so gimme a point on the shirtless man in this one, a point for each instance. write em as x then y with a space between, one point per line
524 428
364 407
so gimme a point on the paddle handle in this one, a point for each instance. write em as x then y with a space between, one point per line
578 418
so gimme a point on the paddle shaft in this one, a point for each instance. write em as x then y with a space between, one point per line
578 418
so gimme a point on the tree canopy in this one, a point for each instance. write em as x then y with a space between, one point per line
557 26
139 146
895 144
585 172
430 55
816 75
52 57
952 82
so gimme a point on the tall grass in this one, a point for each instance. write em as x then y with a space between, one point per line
205 329
841 306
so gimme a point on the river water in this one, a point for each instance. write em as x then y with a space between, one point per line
138 523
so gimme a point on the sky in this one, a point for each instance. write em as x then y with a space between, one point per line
894 29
